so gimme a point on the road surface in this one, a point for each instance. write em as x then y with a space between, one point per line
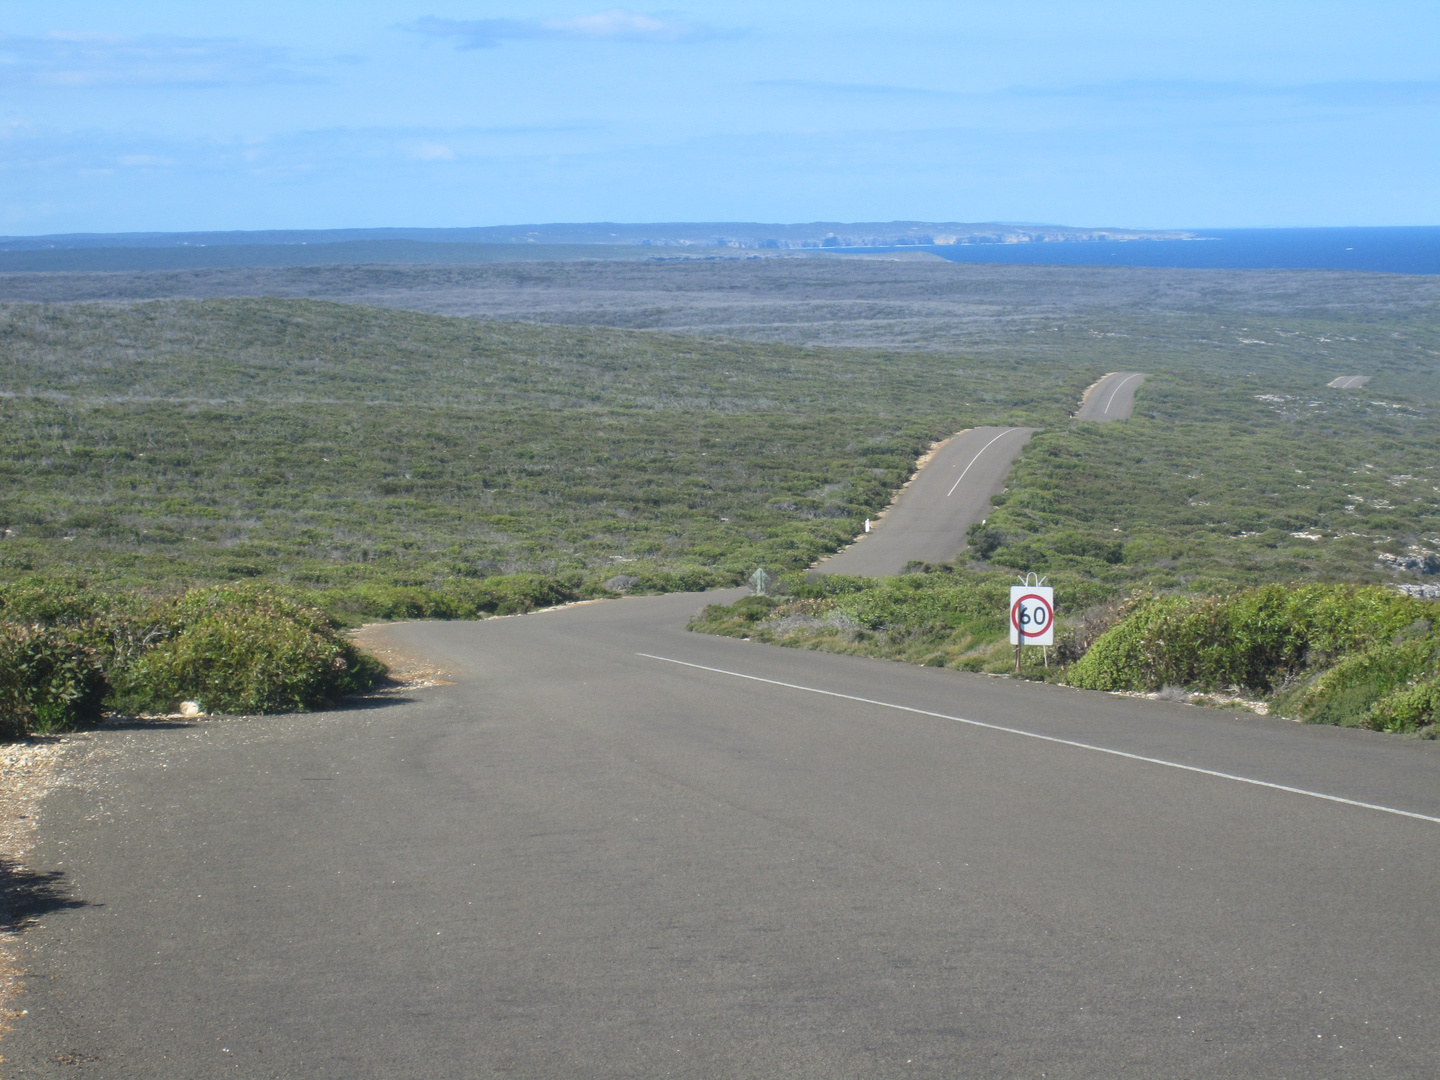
1112 398
927 523
615 849
1349 382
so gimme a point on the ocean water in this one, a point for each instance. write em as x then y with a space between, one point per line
1392 250
1397 250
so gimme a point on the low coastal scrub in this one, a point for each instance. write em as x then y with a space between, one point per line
1330 654
940 617
67 653
339 448
460 598
1221 482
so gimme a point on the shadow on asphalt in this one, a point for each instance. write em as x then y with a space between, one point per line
27 895
381 700
366 702
135 723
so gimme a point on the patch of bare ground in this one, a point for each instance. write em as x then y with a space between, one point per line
1222 699
407 671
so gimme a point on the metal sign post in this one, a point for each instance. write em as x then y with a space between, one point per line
1032 615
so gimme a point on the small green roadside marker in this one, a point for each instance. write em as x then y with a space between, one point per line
760 579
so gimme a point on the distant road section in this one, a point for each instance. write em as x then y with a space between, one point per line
1112 398
1349 382
927 523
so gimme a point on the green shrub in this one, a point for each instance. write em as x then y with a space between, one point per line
236 648
1408 709
371 601
456 598
513 594
1260 639
247 659
914 600
51 603
48 682
1375 688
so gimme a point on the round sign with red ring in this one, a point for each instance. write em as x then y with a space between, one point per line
1039 629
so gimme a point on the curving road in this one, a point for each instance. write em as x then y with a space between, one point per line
615 849
1112 398
927 523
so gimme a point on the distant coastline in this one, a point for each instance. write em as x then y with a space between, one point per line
812 235
1387 249
1390 249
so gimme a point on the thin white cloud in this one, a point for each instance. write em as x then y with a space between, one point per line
80 60
28 148
617 24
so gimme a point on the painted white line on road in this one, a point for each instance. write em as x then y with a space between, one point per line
1117 390
977 458
1053 739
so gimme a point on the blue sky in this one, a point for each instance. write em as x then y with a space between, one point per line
167 115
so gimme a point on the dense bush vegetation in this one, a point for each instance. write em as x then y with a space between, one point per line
48 681
1364 657
68 652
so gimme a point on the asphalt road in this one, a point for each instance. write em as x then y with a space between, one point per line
1349 382
1112 398
588 859
927 523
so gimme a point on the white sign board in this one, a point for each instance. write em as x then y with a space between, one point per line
1032 615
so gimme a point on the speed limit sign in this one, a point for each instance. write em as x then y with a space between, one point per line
1032 615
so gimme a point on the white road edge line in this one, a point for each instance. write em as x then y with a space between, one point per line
977 458
1121 383
1053 739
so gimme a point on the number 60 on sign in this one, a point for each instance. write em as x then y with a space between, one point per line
1032 615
